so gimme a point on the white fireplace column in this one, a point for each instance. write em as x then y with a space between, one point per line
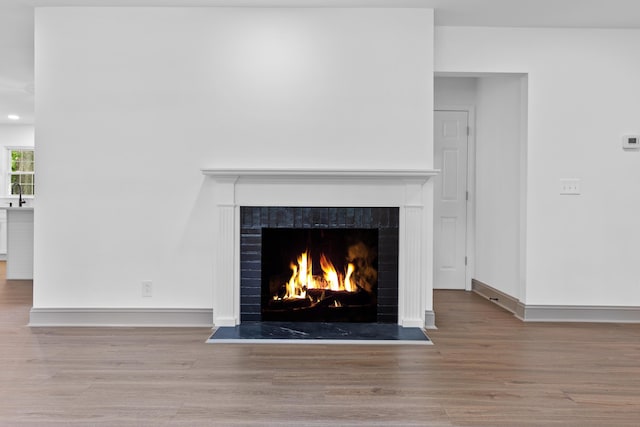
404 189
226 267
412 258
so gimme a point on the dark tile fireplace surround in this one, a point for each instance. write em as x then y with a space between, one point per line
254 219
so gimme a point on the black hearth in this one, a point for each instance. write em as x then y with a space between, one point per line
315 264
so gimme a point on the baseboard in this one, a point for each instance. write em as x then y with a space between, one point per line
572 313
430 319
148 317
225 321
121 317
499 298
557 313
412 323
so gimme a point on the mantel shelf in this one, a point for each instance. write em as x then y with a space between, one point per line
322 173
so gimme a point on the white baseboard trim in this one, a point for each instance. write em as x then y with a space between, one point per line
430 319
226 322
572 313
121 317
497 297
557 313
412 323
148 317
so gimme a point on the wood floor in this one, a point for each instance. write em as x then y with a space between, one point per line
486 368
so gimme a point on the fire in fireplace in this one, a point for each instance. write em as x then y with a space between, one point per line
326 275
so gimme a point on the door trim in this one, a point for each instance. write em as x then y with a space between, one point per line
471 188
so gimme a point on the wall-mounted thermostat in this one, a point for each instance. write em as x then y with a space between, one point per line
631 142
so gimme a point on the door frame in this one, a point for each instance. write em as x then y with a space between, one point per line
471 188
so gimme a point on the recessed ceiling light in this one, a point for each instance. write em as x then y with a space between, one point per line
13 117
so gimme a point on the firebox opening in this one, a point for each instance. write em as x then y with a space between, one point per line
319 275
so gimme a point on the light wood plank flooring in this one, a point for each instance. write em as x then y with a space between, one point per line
486 368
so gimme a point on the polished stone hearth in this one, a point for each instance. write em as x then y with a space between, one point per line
319 333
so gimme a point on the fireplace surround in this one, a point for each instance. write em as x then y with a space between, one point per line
410 191
358 244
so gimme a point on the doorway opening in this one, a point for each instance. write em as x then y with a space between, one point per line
480 196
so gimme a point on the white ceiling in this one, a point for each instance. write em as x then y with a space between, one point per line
16 26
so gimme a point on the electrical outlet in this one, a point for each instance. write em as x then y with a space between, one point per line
631 142
570 186
147 289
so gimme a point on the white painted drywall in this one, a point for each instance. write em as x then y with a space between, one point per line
132 102
16 135
454 92
497 195
583 86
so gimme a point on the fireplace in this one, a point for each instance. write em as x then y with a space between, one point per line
319 264
319 275
303 198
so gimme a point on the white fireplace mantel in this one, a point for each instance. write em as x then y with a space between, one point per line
408 189
323 173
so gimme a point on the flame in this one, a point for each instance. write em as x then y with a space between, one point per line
330 273
299 281
302 277
348 283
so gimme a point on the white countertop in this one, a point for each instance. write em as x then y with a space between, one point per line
14 208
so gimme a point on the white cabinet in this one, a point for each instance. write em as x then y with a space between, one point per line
3 233
19 243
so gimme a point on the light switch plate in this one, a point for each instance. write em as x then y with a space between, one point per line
570 186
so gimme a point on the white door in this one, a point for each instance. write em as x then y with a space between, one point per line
450 191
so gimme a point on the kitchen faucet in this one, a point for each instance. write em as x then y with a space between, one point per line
20 200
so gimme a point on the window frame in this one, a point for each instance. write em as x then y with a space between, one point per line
9 173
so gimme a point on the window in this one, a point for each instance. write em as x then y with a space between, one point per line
21 171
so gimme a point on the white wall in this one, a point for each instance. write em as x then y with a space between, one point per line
580 250
497 195
135 101
455 92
